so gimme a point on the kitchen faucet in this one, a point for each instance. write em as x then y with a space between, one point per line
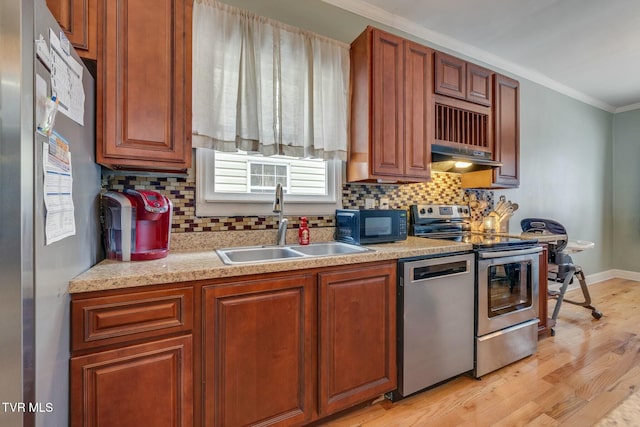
278 207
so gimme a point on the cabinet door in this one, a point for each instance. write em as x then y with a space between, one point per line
357 317
450 75
144 84
418 63
77 18
387 105
479 84
144 385
259 352
506 113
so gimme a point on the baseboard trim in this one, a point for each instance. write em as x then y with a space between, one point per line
600 276
592 279
627 275
612 274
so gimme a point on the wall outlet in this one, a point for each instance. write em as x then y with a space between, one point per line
369 203
384 203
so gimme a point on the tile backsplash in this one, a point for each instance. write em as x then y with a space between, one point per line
444 188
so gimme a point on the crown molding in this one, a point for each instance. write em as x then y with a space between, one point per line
360 7
630 107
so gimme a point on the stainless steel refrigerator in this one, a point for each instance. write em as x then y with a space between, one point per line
34 276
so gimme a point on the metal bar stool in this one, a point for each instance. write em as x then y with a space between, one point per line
561 266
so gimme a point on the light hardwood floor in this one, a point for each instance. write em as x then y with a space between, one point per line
576 377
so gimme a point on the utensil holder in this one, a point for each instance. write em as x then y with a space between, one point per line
503 225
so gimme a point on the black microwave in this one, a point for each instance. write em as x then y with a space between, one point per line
366 226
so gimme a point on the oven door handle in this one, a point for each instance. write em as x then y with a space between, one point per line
501 254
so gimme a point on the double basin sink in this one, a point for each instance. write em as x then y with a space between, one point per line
258 254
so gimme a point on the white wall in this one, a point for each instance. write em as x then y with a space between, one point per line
626 191
566 173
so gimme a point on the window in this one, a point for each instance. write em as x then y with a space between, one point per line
261 86
244 173
231 184
263 176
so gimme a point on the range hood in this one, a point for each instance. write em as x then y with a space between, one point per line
444 159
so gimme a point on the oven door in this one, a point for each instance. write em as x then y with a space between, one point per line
507 286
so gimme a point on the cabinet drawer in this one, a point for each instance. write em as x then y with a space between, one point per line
107 320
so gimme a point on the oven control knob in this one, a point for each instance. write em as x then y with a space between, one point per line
422 211
430 210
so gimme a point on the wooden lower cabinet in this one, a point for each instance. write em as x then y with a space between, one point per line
142 385
357 324
281 349
291 348
259 351
544 328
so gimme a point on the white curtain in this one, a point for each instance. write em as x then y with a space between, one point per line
263 86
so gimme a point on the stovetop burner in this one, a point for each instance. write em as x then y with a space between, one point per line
496 242
482 240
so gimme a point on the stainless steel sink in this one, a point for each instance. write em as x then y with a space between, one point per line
256 254
259 254
329 248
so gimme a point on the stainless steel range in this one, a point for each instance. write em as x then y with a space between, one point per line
506 285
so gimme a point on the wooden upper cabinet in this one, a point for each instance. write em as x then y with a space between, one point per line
506 113
450 75
418 111
144 84
506 138
479 84
387 105
391 83
77 18
464 80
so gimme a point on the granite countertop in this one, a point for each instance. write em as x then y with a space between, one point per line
188 265
544 238
184 264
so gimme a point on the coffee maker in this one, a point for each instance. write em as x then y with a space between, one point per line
137 225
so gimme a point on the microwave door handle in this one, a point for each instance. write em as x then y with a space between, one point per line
501 254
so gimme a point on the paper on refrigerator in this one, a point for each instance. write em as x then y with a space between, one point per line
66 80
58 189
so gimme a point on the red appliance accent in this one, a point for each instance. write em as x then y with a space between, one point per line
137 225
